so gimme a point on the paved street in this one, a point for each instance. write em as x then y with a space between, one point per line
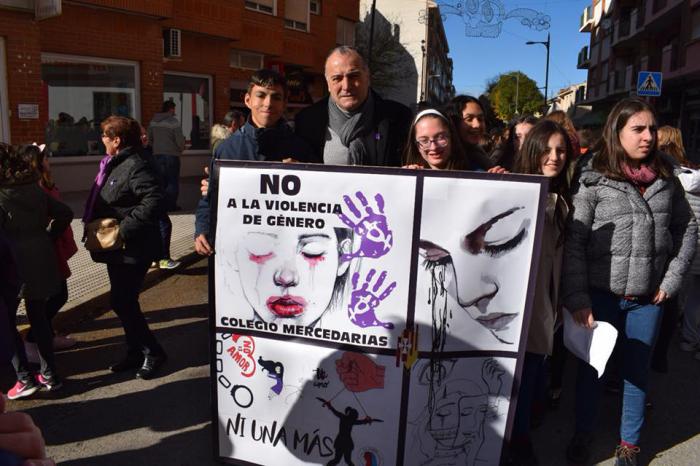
105 419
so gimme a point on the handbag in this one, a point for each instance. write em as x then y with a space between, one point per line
102 234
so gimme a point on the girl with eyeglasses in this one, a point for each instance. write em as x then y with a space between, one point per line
433 143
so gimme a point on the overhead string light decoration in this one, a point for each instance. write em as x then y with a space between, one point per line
485 18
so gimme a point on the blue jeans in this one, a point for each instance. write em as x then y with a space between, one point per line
637 323
169 167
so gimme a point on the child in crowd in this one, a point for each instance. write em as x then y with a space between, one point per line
65 248
546 150
32 220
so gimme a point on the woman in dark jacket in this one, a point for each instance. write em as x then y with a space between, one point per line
32 220
127 189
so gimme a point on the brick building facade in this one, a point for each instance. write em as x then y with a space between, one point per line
101 57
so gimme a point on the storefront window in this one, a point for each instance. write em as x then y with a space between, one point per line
82 92
192 97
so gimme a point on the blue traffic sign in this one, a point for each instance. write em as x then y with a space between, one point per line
649 84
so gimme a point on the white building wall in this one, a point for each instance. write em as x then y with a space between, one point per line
406 14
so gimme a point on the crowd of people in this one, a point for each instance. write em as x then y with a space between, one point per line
618 246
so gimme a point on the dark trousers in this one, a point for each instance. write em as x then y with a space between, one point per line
53 305
669 322
169 167
36 313
169 171
532 373
126 281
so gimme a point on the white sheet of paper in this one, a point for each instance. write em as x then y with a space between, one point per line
593 346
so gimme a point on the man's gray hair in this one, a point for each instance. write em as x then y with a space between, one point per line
347 50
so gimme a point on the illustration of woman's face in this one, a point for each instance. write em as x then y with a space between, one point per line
489 240
290 274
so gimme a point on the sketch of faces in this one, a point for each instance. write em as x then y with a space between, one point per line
457 423
476 257
292 273
451 428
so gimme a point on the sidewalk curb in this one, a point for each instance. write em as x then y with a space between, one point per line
96 305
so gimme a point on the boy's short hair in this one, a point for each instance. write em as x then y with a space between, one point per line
267 78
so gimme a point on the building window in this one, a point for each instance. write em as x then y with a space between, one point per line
246 60
192 95
263 6
296 14
345 32
82 92
695 31
315 7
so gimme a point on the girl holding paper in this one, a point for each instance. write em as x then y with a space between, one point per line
629 241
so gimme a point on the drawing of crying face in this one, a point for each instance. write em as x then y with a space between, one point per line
458 419
291 274
479 259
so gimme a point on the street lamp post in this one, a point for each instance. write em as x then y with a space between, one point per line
546 73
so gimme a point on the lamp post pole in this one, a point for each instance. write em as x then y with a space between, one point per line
546 73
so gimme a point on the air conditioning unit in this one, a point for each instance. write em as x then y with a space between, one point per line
171 43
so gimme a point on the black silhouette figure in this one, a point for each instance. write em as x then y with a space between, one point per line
343 443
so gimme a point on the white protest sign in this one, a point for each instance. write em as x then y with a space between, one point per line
372 316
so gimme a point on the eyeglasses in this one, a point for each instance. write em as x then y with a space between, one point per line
440 140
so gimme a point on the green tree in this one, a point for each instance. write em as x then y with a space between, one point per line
503 90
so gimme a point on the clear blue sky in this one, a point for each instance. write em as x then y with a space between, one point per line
476 60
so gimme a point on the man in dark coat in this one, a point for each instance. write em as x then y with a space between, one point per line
354 125
264 137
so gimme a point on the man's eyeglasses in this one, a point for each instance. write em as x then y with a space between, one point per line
440 140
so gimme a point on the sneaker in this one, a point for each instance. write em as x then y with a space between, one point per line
49 383
154 265
579 449
62 342
626 455
23 389
168 264
32 352
688 346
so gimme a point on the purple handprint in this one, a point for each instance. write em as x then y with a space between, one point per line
363 301
376 238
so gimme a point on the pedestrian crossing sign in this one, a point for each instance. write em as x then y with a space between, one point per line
649 84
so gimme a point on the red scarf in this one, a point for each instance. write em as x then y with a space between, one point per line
641 177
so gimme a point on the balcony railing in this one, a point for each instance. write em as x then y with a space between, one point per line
586 20
621 29
583 59
669 58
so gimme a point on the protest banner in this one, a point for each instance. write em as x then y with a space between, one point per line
369 316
